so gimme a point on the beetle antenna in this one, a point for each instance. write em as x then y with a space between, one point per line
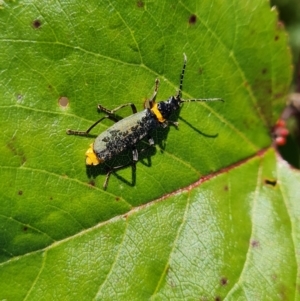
181 76
201 99
179 93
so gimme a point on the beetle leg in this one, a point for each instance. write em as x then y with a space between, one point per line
85 133
150 140
167 122
110 115
135 157
175 123
149 102
151 143
112 112
107 178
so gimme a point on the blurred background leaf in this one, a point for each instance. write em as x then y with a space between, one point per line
289 14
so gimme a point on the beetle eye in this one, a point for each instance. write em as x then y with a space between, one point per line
174 103
161 106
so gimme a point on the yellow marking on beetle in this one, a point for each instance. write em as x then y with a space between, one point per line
157 113
91 157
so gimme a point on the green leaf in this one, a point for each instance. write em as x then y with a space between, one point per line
211 212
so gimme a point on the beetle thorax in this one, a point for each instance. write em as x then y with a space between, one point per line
167 107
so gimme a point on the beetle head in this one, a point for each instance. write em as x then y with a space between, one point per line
167 107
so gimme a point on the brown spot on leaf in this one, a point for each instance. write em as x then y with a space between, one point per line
270 182
36 23
224 281
218 298
168 269
254 243
14 149
25 228
280 25
274 277
19 97
117 199
264 71
63 101
226 187
20 192
192 19
276 38
140 4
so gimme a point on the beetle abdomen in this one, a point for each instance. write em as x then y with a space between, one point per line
124 134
